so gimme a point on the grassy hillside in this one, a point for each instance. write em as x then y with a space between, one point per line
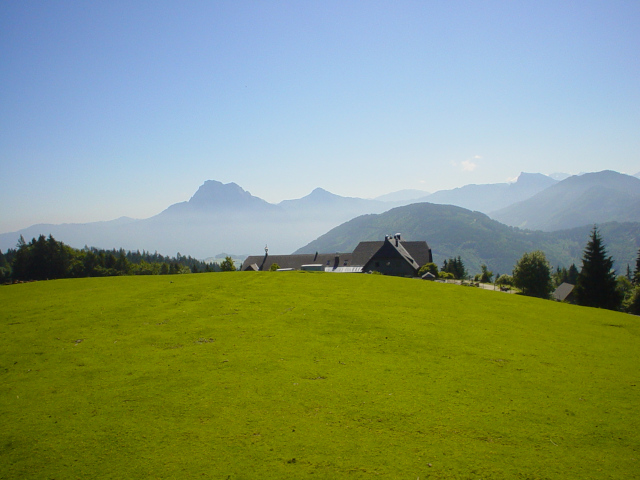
300 375
451 231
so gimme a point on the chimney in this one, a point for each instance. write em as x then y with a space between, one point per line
264 260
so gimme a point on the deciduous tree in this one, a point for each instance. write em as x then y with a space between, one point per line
532 275
429 267
634 302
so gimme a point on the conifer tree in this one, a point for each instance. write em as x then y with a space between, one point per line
227 265
596 284
461 271
572 275
456 267
636 273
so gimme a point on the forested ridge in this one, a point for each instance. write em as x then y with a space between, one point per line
452 231
46 258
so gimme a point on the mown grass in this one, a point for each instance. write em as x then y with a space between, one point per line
299 375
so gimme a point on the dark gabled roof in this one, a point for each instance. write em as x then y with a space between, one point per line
419 251
364 251
563 292
415 252
331 260
392 248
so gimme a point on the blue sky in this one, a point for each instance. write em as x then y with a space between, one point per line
116 108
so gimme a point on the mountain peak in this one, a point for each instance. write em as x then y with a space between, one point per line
214 192
534 179
526 176
321 192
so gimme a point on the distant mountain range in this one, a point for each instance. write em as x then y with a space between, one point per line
218 217
578 200
226 218
321 205
410 196
489 197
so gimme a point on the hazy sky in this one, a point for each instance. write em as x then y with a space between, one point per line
113 108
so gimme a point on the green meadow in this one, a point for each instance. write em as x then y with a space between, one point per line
305 375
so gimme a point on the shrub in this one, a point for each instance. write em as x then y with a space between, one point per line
505 280
429 267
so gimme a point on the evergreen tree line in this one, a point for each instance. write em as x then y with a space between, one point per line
455 267
596 284
565 275
46 258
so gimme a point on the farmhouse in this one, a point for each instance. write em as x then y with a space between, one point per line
392 256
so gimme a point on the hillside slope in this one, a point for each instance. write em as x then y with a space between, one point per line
297 375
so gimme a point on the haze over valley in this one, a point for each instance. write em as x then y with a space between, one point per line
226 218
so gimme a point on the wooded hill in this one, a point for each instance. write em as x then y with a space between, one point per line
453 231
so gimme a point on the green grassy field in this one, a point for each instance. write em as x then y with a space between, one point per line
300 375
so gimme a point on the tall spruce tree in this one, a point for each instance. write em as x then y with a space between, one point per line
596 284
636 274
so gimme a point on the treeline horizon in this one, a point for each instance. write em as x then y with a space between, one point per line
46 258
